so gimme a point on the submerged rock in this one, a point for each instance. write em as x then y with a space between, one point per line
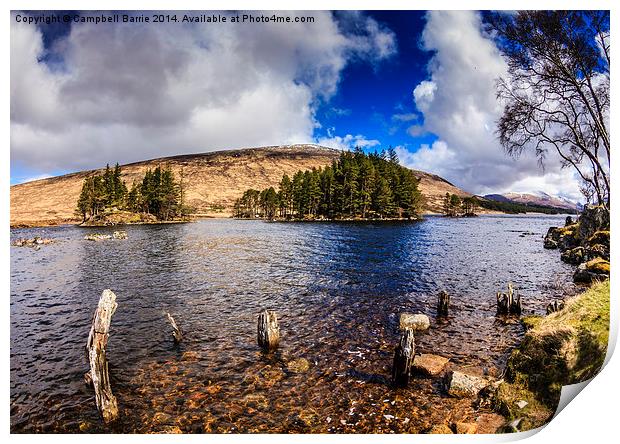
462 385
34 242
97 237
415 321
299 365
430 365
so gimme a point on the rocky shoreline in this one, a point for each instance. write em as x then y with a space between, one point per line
585 243
565 347
569 344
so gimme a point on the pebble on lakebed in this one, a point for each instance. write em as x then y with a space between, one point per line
462 385
299 365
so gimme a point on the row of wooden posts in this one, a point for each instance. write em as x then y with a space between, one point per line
268 338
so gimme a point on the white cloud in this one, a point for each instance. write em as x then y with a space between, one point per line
129 92
459 106
348 142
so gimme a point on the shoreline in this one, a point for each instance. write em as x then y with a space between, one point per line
564 347
196 217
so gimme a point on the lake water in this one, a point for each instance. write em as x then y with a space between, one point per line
337 288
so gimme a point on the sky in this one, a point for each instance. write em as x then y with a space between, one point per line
84 94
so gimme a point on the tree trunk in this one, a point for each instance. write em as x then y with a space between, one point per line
268 330
176 331
96 349
403 359
443 303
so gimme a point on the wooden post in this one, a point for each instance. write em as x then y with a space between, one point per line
502 303
268 330
403 359
509 303
555 306
176 331
443 304
96 348
514 300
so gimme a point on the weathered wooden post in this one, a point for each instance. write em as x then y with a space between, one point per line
96 349
443 303
176 331
514 300
502 303
509 303
403 359
268 330
555 306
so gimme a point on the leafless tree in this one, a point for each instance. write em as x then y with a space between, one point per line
556 93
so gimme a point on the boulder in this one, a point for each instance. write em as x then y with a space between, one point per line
463 428
568 240
598 250
596 269
563 238
34 242
593 219
97 237
550 244
119 235
428 364
574 256
568 221
415 321
600 237
462 385
551 238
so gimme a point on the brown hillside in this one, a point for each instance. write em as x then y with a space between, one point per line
212 181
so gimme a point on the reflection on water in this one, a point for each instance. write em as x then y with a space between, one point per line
337 288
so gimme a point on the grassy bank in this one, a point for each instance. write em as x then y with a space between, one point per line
563 348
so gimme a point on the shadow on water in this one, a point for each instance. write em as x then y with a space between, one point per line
337 289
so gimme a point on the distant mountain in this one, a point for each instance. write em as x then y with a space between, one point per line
541 199
213 181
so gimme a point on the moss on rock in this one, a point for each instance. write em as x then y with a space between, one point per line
598 265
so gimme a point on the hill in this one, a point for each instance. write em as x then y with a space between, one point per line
212 182
540 199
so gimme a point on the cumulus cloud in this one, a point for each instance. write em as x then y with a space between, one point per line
459 106
129 92
348 142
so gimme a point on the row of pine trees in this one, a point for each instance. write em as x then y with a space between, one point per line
158 194
357 185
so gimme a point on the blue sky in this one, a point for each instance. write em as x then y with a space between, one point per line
389 109
83 95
